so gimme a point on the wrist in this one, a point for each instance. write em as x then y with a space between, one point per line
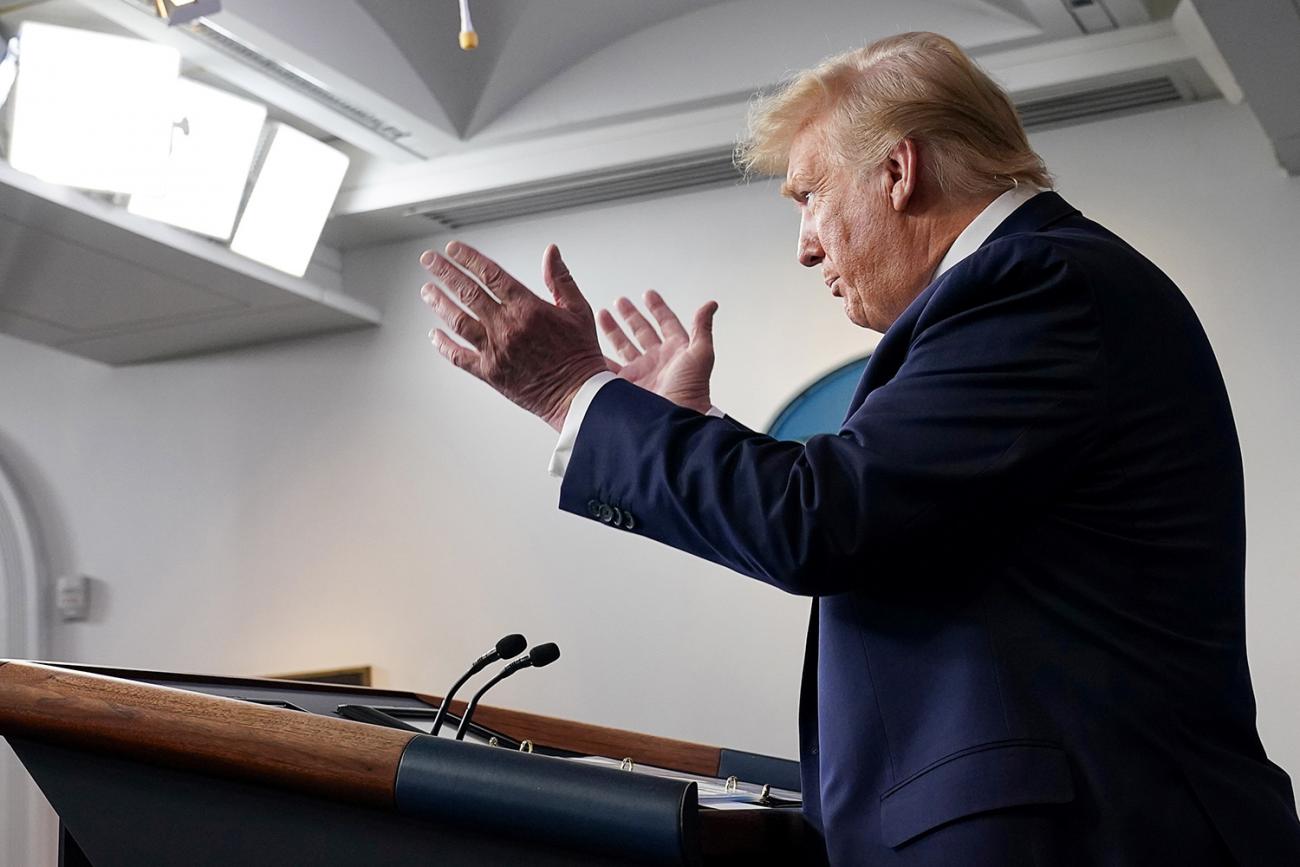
573 384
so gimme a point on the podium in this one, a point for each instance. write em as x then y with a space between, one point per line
151 768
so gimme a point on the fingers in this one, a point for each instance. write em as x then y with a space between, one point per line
461 323
623 346
488 272
460 284
663 314
561 283
702 327
642 330
465 359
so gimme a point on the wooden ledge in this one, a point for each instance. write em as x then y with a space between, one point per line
338 759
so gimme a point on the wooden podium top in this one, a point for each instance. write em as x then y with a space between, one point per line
213 727
335 758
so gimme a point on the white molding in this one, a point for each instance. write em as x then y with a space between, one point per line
1191 27
22 636
387 190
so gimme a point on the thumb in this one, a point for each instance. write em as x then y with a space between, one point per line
558 279
702 327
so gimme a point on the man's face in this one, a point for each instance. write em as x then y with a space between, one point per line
850 228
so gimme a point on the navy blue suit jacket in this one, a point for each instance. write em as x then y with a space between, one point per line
1026 550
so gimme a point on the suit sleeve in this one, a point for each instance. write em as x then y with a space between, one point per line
998 396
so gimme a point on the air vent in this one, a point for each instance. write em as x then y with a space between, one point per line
690 172
1098 102
679 173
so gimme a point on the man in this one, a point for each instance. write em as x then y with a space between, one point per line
1025 546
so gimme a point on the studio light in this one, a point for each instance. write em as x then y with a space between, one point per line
91 110
214 138
185 11
291 200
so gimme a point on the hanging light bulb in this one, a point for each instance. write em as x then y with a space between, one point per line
468 38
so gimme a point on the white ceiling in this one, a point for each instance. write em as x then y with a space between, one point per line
578 101
545 64
524 44
563 88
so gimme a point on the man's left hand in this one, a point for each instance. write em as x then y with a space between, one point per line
536 354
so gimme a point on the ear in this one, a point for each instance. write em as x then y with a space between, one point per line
903 171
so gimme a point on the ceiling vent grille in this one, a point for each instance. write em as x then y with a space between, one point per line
675 174
1098 102
299 82
691 172
295 80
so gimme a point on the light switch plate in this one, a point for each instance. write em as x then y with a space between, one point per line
72 597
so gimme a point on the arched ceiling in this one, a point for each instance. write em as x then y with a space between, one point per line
523 45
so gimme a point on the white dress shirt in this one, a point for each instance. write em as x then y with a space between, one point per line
976 233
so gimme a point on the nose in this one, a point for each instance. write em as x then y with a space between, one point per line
810 250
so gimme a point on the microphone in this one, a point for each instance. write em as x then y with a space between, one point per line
540 656
507 648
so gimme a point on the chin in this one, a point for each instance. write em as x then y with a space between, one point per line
858 316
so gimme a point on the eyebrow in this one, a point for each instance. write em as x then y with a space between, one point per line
789 186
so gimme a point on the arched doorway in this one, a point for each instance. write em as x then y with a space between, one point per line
23 818
20 575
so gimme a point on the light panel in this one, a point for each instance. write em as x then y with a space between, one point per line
291 200
213 141
91 110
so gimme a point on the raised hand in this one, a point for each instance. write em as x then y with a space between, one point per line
536 354
669 362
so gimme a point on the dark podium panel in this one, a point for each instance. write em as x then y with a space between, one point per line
164 769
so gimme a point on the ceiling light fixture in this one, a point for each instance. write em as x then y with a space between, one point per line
291 199
212 148
85 108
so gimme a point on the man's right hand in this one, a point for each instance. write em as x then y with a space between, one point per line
674 364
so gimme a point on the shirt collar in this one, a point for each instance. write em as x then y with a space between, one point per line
979 229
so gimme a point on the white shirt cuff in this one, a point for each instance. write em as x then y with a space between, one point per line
573 421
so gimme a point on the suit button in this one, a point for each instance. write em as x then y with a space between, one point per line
618 517
606 513
593 508
628 522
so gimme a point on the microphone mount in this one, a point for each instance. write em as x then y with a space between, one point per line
508 647
539 657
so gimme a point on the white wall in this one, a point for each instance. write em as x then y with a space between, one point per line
354 499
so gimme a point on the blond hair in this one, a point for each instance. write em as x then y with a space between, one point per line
915 85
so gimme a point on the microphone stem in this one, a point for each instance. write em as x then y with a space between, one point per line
473 702
446 700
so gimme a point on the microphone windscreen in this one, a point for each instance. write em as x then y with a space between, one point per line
544 654
511 646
